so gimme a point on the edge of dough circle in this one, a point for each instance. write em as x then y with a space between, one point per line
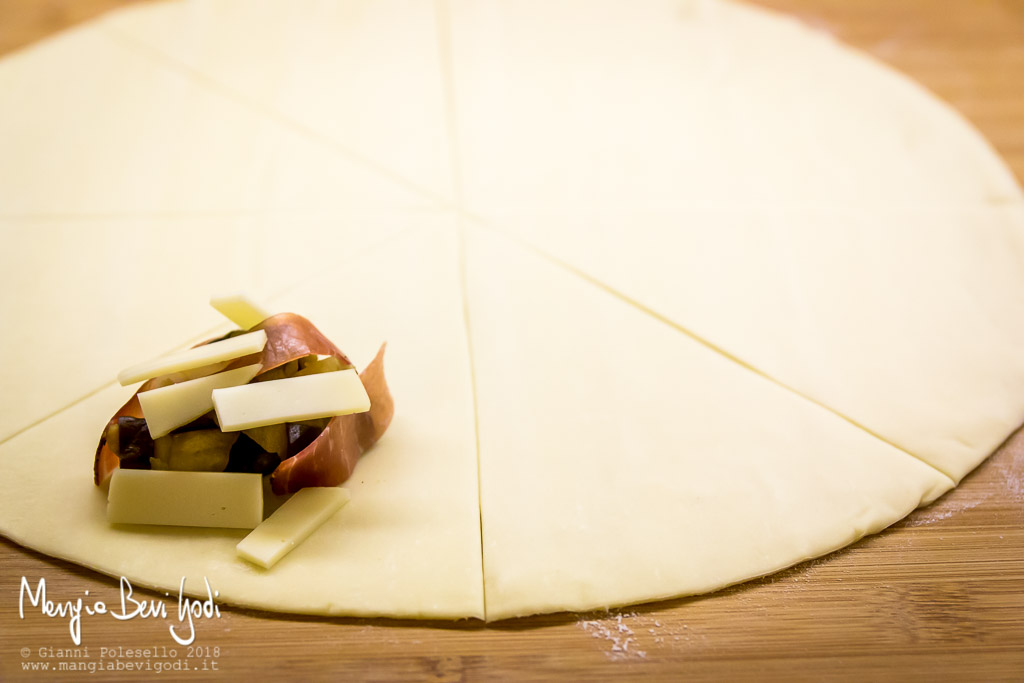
676 294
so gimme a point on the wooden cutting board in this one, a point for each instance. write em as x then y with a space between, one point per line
939 595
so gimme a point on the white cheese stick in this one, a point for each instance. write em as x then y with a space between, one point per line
209 499
227 349
290 400
291 524
171 407
240 309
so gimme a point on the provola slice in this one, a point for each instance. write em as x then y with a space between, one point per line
408 543
622 461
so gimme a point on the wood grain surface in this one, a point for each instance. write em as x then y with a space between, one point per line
938 596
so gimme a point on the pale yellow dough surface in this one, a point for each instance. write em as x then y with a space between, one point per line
408 543
676 294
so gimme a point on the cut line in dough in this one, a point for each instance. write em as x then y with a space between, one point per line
615 140
685 473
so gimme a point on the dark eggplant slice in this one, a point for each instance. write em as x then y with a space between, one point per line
300 436
200 450
249 456
134 444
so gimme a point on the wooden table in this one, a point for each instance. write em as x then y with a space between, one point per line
939 595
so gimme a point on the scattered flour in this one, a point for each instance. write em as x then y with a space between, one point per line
1012 471
630 635
952 505
1009 469
612 628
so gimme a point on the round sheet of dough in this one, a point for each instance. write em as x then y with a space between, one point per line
676 294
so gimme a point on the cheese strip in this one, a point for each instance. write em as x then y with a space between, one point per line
291 524
290 400
240 309
235 347
173 406
208 499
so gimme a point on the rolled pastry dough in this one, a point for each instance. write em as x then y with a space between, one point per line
676 294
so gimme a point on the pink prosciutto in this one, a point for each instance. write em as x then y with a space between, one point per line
331 457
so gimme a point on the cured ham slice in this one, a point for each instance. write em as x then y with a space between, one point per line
330 458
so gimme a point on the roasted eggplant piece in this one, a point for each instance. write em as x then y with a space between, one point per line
204 450
129 439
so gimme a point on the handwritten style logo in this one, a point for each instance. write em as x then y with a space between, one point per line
189 610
